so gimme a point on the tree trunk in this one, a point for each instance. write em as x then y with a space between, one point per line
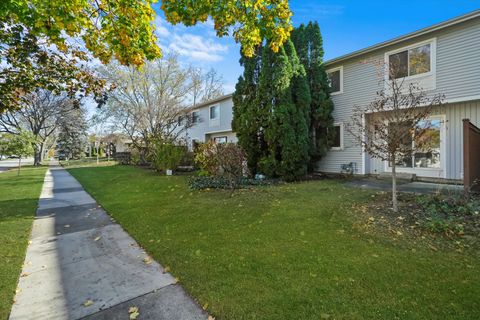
37 154
394 187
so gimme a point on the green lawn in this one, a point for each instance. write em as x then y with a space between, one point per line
18 203
285 252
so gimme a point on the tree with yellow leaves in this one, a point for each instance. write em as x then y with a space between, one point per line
56 36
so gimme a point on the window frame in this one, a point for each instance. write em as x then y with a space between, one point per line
195 117
220 137
339 124
442 171
210 112
433 60
340 68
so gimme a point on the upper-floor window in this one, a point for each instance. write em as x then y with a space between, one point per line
335 77
195 117
410 61
214 112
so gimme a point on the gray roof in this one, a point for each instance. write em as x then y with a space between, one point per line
209 102
435 27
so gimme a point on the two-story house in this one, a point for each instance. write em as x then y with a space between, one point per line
212 121
443 58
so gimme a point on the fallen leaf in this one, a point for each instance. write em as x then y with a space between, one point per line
211 318
133 313
97 238
176 280
205 306
147 260
133 309
166 269
25 274
66 226
87 303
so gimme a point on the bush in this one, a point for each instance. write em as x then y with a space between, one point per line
164 155
449 214
225 162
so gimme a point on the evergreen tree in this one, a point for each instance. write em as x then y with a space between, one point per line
309 46
72 136
246 121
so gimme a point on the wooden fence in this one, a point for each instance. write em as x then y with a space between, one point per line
471 156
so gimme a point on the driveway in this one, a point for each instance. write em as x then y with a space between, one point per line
13 163
81 264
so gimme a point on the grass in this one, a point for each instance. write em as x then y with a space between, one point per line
286 252
18 202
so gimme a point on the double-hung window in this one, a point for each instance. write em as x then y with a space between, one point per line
335 78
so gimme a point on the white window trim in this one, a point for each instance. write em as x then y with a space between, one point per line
341 79
339 124
215 122
433 60
210 112
442 171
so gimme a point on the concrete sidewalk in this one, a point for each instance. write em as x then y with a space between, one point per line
404 186
81 264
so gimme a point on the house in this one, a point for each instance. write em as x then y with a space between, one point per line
212 121
443 58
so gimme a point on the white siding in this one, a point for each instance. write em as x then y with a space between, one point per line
203 130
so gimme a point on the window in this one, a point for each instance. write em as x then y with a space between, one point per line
220 139
195 117
410 62
214 112
423 145
335 77
337 136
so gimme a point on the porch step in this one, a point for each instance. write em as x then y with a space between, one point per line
400 176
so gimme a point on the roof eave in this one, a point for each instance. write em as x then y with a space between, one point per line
418 33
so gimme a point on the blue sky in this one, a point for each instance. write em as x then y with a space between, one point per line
346 26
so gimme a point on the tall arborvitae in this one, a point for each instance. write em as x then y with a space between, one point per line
283 98
309 45
246 120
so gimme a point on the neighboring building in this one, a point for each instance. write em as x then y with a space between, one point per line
212 121
447 61
443 58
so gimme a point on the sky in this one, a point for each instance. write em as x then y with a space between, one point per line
346 26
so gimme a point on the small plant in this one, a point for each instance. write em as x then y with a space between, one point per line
165 155
224 162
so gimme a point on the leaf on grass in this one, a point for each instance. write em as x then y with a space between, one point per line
211 318
176 280
87 303
166 269
205 306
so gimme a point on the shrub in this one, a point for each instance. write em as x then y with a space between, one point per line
164 155
226 162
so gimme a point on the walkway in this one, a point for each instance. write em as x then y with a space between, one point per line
80 263
404 186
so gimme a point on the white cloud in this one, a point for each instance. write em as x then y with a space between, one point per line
201 46
197 47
